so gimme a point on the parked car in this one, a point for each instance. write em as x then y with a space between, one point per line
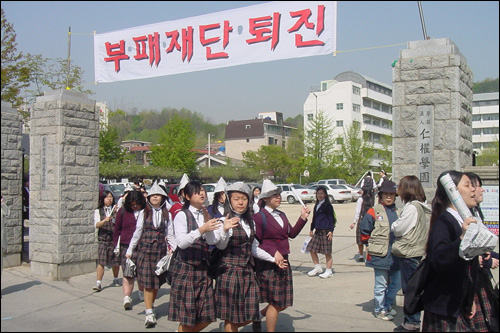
117 189
209 190
336 194
355 191
331 181
172 190
306 193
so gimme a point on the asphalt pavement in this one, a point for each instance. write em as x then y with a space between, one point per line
341 303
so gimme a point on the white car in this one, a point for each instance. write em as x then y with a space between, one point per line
306 193
336 193
209 190
355 191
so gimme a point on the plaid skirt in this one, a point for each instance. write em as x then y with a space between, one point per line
123 259
105 254
237 294
436 323
319 243
148 255
275 284
192 298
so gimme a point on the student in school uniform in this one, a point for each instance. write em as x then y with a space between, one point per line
192 302
104 221
177 206
151 241
237 289
273 231
216 209
324 221
126 221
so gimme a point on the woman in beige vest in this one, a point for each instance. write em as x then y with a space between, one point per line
410 229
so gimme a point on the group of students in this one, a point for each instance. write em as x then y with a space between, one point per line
456 296
253 264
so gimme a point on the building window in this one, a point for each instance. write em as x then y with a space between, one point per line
248 126
270 141
487 117
324 86
476 131
310 116
340 123
340 106
356 90
490 130
476 117
356 108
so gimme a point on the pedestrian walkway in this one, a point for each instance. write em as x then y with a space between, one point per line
341 303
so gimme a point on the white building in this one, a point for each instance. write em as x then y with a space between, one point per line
352 97
485 116
103 113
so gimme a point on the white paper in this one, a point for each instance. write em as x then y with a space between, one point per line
478 239
298 197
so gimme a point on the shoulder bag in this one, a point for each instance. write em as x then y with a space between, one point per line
413 296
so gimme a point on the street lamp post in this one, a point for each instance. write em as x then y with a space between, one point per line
209 164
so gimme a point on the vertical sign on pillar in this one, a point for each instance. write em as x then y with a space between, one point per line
425 144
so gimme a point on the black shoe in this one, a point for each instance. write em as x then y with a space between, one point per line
257 326
401 328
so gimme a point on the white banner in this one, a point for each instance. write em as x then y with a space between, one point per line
260 33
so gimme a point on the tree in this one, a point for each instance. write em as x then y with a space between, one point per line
14 75
355 151
109 145
269 160
50 74
489 156
319 143
175 150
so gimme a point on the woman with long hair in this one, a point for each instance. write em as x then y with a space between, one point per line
449 301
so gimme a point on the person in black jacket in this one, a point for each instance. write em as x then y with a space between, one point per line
449 299
324 221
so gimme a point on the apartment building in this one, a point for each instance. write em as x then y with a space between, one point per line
485 117
352 97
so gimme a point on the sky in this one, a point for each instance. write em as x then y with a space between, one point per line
370 36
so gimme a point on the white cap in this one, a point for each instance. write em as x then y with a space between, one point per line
161 183
221 185
184 181
156 189
240 187
268 189
128 188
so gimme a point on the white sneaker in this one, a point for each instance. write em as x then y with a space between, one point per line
384 316
316 270
326 274
97 287
150 320
127 302
141 296
392 312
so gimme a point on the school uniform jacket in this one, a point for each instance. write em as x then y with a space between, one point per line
275 237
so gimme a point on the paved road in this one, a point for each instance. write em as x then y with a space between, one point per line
342 303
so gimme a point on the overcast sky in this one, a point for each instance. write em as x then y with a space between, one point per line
367 38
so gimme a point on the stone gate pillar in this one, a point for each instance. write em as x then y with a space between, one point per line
432 112
64 175
12 174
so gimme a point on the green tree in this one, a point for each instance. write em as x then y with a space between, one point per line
319 143
175 150
14 75
50 74
109 145
486 86
269 160
489 156
355 151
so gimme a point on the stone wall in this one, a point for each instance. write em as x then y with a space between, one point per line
64 169
12 174
432 111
